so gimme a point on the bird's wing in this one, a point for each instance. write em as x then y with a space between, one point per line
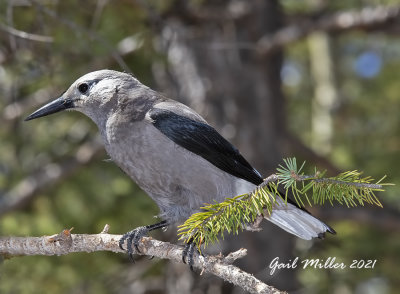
190 131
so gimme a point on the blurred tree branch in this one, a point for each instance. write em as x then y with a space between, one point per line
369 18
192 14
66 243
50 174
25 35
17 109
90 33
387 219
296 146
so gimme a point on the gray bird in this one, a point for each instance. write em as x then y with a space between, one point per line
170 151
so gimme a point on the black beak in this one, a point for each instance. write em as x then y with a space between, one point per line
55 106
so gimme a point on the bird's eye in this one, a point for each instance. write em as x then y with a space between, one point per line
83 88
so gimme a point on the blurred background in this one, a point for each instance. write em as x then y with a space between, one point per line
314 79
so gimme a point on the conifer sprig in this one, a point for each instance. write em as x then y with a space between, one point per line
234 214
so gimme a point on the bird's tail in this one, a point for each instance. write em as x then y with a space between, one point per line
297 221
289 216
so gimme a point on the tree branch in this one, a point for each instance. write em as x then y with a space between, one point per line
66 243
364 19
25 35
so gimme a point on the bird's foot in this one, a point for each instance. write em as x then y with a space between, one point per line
188 252
133 237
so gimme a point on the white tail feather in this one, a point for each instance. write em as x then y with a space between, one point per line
289 217
296 221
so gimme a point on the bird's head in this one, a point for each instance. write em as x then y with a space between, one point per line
94 94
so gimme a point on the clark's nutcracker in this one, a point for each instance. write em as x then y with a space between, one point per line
170 151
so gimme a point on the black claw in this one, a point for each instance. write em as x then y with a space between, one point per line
122 241
141 232
136 248
135 236
190 256
131 236
187 254
131 258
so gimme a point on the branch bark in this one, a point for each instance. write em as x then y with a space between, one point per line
66 243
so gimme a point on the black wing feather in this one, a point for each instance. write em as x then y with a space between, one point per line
205 141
